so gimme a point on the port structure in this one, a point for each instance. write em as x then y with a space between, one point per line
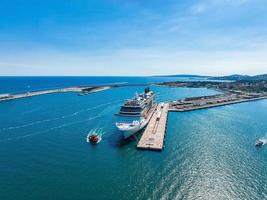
154 134
202 102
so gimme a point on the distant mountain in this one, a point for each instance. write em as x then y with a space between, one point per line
260 77
234 77
184 76
238 77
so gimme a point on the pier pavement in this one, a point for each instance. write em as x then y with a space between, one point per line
154 134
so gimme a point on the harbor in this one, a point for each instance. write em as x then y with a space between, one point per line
155 122
47 135
154 134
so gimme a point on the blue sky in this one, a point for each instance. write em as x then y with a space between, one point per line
133 37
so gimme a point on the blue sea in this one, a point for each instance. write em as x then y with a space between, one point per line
208 154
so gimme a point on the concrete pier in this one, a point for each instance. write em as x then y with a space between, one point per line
153 136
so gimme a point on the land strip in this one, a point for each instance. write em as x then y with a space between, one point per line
82 90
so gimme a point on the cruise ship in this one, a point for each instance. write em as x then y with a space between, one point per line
136 113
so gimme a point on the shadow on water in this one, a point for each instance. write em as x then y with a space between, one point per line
119 141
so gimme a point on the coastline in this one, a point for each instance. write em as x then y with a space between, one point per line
242 91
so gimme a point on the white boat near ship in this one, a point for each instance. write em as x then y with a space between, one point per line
135 114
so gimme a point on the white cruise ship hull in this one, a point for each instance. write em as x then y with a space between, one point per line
128 130
135 113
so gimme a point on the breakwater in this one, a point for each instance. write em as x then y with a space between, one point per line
6 97
79 89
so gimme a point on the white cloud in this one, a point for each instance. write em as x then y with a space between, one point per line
211 5
199 8
140 62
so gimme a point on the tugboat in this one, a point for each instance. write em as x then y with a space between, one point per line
259 143
94 137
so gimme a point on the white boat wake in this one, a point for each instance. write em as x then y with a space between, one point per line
49 129
98 132
264 140
56 118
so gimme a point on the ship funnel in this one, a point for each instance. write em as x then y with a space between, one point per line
147 90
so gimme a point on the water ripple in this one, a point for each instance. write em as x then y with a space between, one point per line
56 118
50 129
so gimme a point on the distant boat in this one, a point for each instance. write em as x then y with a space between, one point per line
259 143
94 137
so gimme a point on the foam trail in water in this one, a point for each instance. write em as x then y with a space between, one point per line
264 140
29 124
50 129
31 111
57 118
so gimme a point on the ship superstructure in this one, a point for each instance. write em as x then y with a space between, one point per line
135 113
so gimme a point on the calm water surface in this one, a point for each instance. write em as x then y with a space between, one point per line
209 154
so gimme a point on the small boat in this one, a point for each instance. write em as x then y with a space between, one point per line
259 143
94 137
